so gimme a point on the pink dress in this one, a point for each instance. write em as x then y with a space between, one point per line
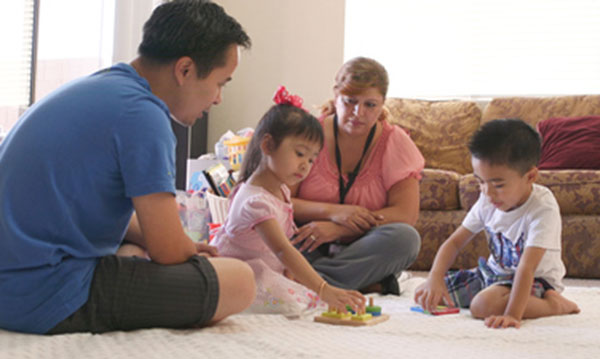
394 158
251 205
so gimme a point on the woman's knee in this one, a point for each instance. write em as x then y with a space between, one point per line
237 288
400 238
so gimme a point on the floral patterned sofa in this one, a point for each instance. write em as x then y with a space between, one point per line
441 130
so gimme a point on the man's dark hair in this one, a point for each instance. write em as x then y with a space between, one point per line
199 29
509 142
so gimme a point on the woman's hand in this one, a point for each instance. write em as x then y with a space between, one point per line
338 298
355 218
314 234
206 250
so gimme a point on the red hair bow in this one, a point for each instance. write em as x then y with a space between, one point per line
283 97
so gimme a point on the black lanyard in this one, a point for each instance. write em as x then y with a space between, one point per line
344 188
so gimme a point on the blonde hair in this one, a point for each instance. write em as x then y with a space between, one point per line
354 77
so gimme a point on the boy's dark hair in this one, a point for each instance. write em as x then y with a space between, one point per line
199 29
510 142
280 121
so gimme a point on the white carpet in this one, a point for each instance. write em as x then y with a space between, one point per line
405 335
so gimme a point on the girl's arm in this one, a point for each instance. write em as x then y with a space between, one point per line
402 203
521 290
272 234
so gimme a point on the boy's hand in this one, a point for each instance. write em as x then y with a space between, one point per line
502 321
433 293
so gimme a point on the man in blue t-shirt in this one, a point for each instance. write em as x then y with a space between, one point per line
92 165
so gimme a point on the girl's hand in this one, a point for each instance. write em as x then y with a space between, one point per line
502 321
206 250
433 293
314 234
338 298
355 218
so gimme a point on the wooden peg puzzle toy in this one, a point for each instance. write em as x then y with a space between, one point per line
372 315
441 310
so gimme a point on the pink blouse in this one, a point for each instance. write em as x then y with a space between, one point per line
394 158
250 205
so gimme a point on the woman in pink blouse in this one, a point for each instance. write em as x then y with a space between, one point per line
357 206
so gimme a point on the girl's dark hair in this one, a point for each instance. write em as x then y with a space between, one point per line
279 122
199 29
509 142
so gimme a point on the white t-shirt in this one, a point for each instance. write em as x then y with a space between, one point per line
536 223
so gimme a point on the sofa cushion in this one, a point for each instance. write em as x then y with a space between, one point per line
535 109
440 129
439 190
580 245
435 227
570 142
468 191
576 191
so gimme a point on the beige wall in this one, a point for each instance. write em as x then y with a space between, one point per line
298 44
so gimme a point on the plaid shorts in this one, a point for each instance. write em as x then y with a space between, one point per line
464 284
129 293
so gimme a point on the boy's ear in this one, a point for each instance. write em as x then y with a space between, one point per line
183 69
532 174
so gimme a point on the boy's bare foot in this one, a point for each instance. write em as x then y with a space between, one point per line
564 306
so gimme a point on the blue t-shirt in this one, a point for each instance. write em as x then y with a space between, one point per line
68 171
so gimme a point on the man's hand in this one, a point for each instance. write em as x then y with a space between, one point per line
206 250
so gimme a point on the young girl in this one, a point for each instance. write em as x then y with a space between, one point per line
260 220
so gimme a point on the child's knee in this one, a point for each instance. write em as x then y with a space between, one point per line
488 303
479 307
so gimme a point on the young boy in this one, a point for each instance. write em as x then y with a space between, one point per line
522 277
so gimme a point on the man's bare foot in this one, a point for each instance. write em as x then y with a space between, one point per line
564 305
132 250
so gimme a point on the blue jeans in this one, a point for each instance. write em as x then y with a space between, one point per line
383 250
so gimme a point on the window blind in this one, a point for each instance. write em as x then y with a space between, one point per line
473 48
16 32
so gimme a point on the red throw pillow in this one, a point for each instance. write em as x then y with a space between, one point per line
570 143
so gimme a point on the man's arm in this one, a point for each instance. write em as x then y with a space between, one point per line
156 227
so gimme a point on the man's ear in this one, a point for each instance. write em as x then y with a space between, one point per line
184 69
267 145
